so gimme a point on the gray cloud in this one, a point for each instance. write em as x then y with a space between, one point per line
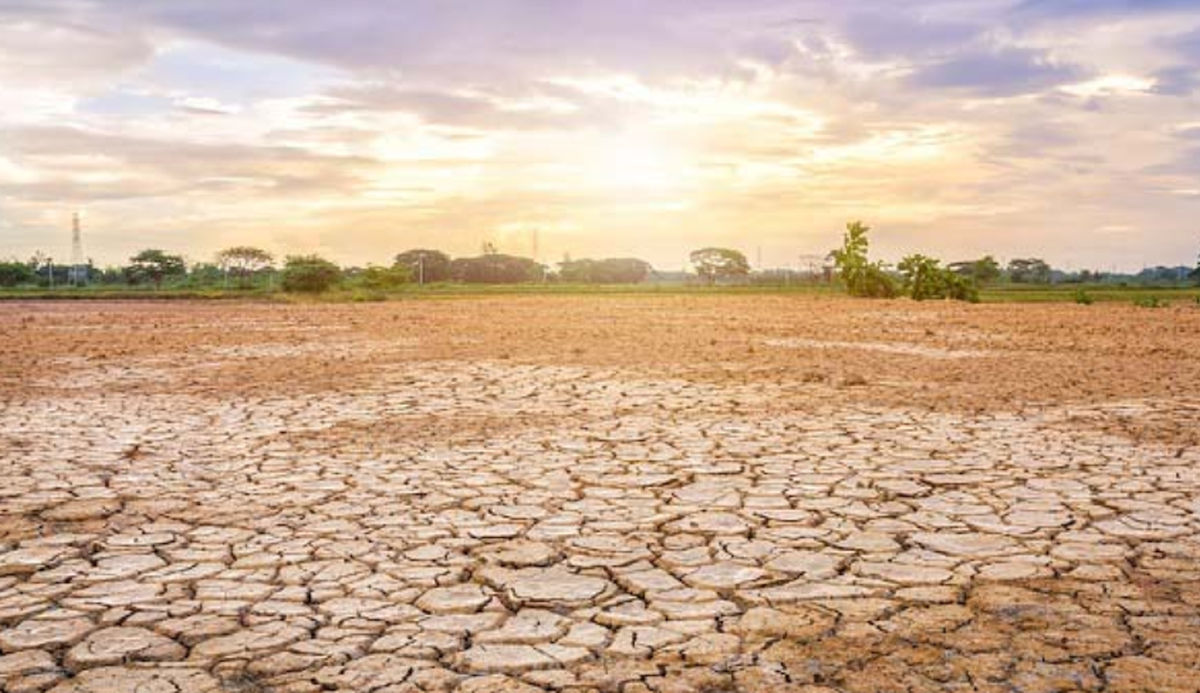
1001 72
894 34
1181 80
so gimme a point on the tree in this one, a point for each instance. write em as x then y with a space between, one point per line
1029 271
426 265
309 274
154 265
922 276
14 273
985 270
243 261
382 278
860 276
624 270
925 278
719 263
495 268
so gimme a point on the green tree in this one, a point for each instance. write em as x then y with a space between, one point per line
384 278
985 270
608 271
860 276
713 264
425 265
154 265
495 268
309 274
1029 271
922 277
14 273
244 261
925 278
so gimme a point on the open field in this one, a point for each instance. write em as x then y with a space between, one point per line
680 492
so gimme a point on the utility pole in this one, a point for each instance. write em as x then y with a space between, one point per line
78 272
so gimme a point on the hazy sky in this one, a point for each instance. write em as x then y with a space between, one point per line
1068 129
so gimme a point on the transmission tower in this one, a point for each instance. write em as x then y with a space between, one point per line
79 269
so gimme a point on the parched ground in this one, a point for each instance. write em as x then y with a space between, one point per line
599 493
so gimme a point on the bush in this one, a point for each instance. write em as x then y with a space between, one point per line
1083 298
1149 302
925 278
384 278
16 273
309 274
434 264
608 271
495 269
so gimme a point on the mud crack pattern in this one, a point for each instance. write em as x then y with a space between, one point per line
483 525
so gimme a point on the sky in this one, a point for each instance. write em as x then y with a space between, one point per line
1063 129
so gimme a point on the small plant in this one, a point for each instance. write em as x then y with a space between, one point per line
1083 298
1149 302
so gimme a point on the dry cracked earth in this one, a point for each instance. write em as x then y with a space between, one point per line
595 494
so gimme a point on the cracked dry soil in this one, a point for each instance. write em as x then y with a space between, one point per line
707 493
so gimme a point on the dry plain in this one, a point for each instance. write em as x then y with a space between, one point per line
599 493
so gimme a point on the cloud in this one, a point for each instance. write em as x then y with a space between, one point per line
74 164
634 125
1180 80
1187 45
1000 72
38 48
879 35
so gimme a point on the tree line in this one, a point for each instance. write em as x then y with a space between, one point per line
246 267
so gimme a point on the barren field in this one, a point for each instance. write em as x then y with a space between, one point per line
599 493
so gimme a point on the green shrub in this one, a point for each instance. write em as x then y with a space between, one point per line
1149 302
16 273
384 278
861 276
1083 298
309 274
925 278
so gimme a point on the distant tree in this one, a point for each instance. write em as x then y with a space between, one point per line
14 273
1195 274
495 268
205 274
607 271
436 264
713 264
309 274
925 278
860 276
1029 271
154 265
383 278
244 261
985 270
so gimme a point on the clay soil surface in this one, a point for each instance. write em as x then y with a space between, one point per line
599 493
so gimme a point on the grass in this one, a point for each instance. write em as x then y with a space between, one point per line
1062 293
1097 293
